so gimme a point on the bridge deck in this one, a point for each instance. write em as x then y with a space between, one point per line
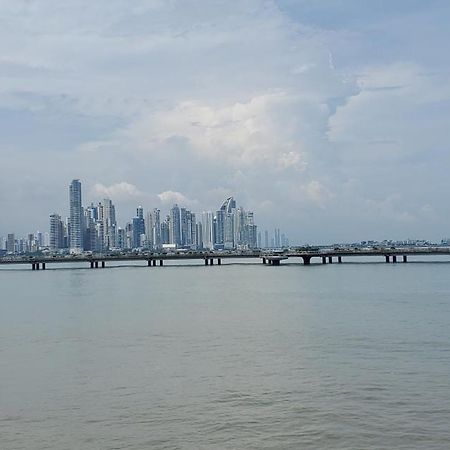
305 255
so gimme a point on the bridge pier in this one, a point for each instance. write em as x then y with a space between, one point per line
103 264
33 266
275 262
219 262
324 260
43 266
211 262
161 262
264 261
340 259
394 258
206 261
330 260
92 264
306 260
96 264
154 262
37 266
405 258
387 258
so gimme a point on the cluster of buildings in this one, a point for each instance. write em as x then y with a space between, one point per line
94 228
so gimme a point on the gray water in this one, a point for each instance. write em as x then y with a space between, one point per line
242 356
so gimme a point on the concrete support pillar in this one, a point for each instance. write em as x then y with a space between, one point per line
43 266
340 259
154 263
92 264
264 261
394 258
324 260
306 260
33 266
96 264
387 258
211 262
330 260
405 258
37 266
206 261
103 264
161 262
149 262
219 261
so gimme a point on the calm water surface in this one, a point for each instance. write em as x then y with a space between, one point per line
242 356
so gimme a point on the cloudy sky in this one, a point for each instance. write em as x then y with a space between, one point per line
328 118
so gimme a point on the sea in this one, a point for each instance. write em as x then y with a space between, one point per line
237 356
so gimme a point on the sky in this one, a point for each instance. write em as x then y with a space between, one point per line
327 118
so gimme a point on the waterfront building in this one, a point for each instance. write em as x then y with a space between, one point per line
156 229
107 214
76 217
149 242
227 223
199 235
138 228
219 229
207 235
56 232
165 231
11 243
121 239
175 226
277 239
129 236
91 240
39 239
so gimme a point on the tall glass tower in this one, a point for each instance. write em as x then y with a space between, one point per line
76 217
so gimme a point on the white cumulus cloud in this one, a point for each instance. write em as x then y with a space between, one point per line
119 191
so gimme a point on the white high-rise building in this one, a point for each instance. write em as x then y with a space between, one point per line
109 224
56 232
76 217
149 226
156 228
207 231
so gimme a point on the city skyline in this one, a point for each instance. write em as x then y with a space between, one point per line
267 237
93 227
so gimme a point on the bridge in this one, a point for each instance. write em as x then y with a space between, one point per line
324 256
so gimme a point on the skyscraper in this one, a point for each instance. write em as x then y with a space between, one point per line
175 226
156 228
56 232
227 209
149 230
109 224
207 230
138 227
10 243
76 218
